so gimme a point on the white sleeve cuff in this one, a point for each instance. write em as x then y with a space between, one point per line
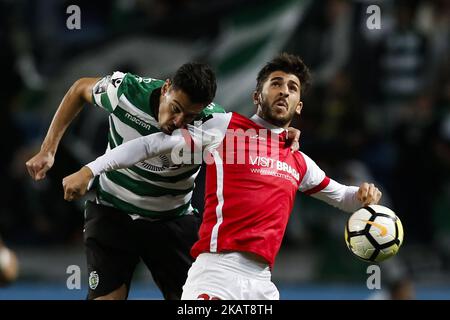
340 196
95 167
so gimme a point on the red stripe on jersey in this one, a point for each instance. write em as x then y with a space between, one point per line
325 182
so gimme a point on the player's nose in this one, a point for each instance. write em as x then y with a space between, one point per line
284 91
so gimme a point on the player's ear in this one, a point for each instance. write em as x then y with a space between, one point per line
256 96
299 108
166 86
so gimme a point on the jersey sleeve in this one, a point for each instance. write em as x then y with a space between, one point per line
314 179
105 92
209 110
134 151
319 186
209 132
206 134
340 196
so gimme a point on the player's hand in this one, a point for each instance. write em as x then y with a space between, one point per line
39 165
293 137
368 194
75 185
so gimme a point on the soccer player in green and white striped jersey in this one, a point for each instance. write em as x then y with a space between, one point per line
143 212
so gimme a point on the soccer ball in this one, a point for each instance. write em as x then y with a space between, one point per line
374 233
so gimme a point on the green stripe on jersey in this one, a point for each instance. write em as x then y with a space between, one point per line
104 99
114 134
131 209
138 90
210 109
142 188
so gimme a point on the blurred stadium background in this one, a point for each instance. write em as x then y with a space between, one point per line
379 110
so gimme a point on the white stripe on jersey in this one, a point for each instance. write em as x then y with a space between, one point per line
128 106
313 175
125 131
219 192
148 203
112 95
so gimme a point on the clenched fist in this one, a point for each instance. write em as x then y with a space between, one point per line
39 165
75 185
368 194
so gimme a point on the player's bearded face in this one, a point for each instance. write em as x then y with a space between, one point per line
176 110
279 99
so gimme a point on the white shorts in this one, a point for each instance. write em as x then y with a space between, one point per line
229 276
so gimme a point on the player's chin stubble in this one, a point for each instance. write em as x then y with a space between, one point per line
277 119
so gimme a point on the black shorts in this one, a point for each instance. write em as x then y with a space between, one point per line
115 243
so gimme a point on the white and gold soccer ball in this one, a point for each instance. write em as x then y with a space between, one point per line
374 233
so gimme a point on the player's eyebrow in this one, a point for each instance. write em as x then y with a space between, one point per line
282 79
277 79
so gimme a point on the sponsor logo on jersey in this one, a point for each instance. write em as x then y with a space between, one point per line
138 121
258 137
274 164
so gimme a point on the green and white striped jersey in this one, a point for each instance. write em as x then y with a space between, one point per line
154 188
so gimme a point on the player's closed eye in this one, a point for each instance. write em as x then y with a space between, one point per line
175 109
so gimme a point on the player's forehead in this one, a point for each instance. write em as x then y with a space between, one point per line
283 76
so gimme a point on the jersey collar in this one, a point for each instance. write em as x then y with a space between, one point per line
257 119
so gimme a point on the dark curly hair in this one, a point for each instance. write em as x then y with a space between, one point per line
288 63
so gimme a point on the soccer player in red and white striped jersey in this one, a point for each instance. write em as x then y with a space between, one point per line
252 179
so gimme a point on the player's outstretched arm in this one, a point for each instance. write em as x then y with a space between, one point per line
349 198
123 156
209 134
72 103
